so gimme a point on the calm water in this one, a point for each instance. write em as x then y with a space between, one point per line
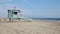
55 19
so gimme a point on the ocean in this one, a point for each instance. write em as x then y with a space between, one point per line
53 19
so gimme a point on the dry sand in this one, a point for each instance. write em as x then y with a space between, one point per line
34 27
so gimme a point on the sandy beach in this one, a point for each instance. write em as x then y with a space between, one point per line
34 27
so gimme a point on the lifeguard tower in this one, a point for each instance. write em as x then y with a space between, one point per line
14 14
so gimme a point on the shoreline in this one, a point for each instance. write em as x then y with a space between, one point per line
7 20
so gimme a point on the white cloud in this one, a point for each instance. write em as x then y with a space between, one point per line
4 5
3 10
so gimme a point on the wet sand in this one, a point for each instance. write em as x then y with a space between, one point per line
34 27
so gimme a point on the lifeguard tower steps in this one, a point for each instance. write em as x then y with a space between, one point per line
24 18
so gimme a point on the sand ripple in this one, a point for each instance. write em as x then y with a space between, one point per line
9 30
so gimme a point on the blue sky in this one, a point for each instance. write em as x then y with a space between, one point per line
32 8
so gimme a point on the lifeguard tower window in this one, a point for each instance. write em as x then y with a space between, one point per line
15 13
9 10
